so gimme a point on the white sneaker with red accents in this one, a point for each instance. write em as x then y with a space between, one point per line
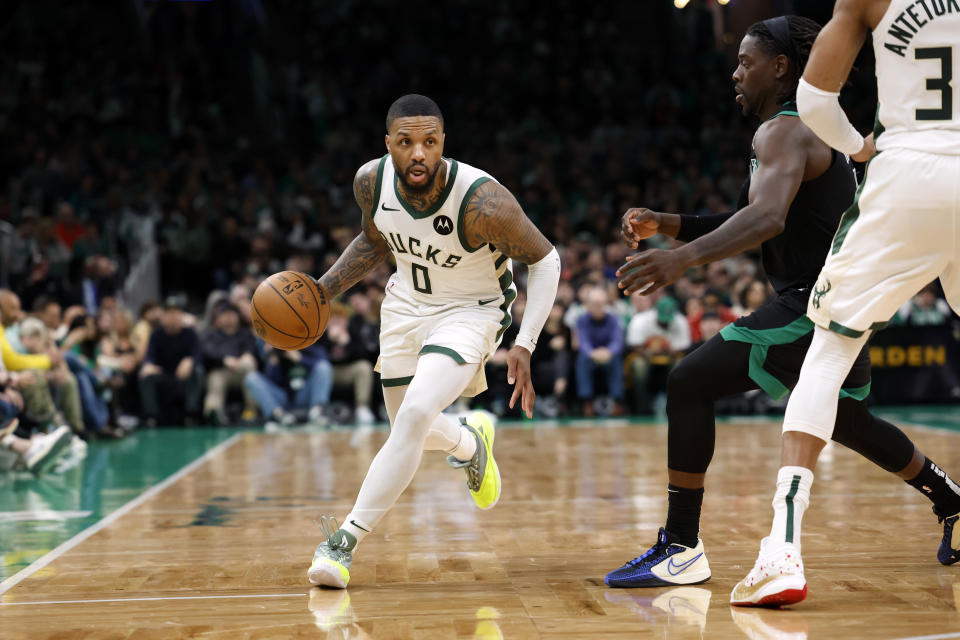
775 580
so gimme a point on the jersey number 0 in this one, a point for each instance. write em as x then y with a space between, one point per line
421 279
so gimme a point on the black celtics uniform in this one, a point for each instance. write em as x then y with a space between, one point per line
779 332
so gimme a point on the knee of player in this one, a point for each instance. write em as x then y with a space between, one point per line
852 422
684 378
415 416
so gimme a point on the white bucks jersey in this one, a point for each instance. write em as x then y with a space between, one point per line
917 46
435 263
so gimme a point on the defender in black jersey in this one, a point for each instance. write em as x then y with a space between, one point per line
790 206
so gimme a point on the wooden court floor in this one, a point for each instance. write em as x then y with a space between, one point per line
221 550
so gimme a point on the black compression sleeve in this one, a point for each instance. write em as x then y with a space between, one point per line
692 227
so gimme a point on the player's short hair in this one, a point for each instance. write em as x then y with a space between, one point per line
791 36
412 105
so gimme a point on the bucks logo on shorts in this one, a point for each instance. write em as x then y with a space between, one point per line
819 290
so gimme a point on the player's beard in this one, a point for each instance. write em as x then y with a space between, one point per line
419 188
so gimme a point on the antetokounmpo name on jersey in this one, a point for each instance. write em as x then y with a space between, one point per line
416 248
915 17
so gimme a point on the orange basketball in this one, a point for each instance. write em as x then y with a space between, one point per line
289 310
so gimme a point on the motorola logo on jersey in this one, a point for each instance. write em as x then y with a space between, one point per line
443 225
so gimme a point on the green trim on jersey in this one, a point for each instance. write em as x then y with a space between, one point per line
396 382
878 127
376 189
786 111
463 208
419 215
850 215
447 351
509 295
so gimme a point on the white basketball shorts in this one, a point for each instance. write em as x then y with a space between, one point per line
902 232
469 334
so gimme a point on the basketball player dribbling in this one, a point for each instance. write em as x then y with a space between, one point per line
902 231
453 231
791 206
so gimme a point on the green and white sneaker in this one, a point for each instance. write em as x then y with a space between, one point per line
331 560
483 475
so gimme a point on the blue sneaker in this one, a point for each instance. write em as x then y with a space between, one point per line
665 564
949 551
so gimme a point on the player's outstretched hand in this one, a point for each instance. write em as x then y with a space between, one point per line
518 374
650 270
639 224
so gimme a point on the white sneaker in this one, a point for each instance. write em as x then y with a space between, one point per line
44 450
363 415
666 563
775 580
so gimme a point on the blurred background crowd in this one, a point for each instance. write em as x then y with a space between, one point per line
160 158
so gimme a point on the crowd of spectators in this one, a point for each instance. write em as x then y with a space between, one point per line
220 140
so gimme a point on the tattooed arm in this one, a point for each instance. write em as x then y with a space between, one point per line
368 249
493 216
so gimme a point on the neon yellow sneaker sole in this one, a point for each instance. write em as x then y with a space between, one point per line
327 571
488 493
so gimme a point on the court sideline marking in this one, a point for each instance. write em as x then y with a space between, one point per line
64 547
223 597
939 636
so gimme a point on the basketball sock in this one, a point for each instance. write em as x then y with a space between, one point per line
789 503
683 514
934 483
466 445
357 528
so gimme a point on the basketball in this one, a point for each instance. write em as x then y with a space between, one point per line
289 310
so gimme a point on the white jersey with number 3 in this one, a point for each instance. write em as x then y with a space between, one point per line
436 266
917 47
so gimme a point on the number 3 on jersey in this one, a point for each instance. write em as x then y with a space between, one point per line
941 83
421 279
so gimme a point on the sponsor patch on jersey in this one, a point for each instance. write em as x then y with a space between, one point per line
443 225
